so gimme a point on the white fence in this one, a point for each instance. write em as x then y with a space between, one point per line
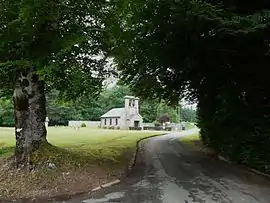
95 124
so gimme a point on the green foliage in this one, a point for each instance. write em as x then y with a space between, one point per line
6 112
148 111
217 50
57 109
83 125
164 118
165 109
88 107
100 146
60 39
188 115
85 151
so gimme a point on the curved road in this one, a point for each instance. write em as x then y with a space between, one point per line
167 172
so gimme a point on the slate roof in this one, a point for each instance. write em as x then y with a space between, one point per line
113 113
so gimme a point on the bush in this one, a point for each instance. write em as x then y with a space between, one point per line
235 126
83 125
157 124
135 128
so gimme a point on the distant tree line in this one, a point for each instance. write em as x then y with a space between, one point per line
86 107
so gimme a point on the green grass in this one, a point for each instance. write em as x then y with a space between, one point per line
194 143
84 159
96 144
189 139
189 126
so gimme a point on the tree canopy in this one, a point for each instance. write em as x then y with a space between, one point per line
47 45
59 38
212 52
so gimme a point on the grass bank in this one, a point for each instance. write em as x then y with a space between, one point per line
193 142
189 126
78 161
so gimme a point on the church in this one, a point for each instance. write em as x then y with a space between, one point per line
123 118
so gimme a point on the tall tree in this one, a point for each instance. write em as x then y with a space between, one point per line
188 115
47 44
217 49
6 113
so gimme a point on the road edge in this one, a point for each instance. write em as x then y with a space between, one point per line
245 167
130 165
135 154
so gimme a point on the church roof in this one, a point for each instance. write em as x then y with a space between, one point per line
116 112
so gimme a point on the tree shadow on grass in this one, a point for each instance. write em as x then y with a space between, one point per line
79 157
76 158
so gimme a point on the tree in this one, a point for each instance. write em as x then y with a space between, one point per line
88 108
166 47
212 52
188 115
47 44
58 110
148 110
165 109
164 118
6 112
113 97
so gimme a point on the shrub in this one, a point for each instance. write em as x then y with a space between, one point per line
135 128
83 125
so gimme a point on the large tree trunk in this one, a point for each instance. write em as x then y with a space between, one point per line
30 114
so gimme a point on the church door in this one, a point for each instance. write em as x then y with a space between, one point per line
136 124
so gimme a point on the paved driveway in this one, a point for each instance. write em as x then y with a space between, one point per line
167 172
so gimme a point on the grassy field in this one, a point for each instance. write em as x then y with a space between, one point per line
87 157
93 142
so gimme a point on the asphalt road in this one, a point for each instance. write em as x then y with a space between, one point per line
167 172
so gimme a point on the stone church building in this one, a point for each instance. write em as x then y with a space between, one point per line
123 118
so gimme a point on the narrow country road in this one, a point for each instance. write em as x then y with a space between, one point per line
167 172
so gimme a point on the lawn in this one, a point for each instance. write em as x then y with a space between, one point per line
93 142
194 143
83 159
